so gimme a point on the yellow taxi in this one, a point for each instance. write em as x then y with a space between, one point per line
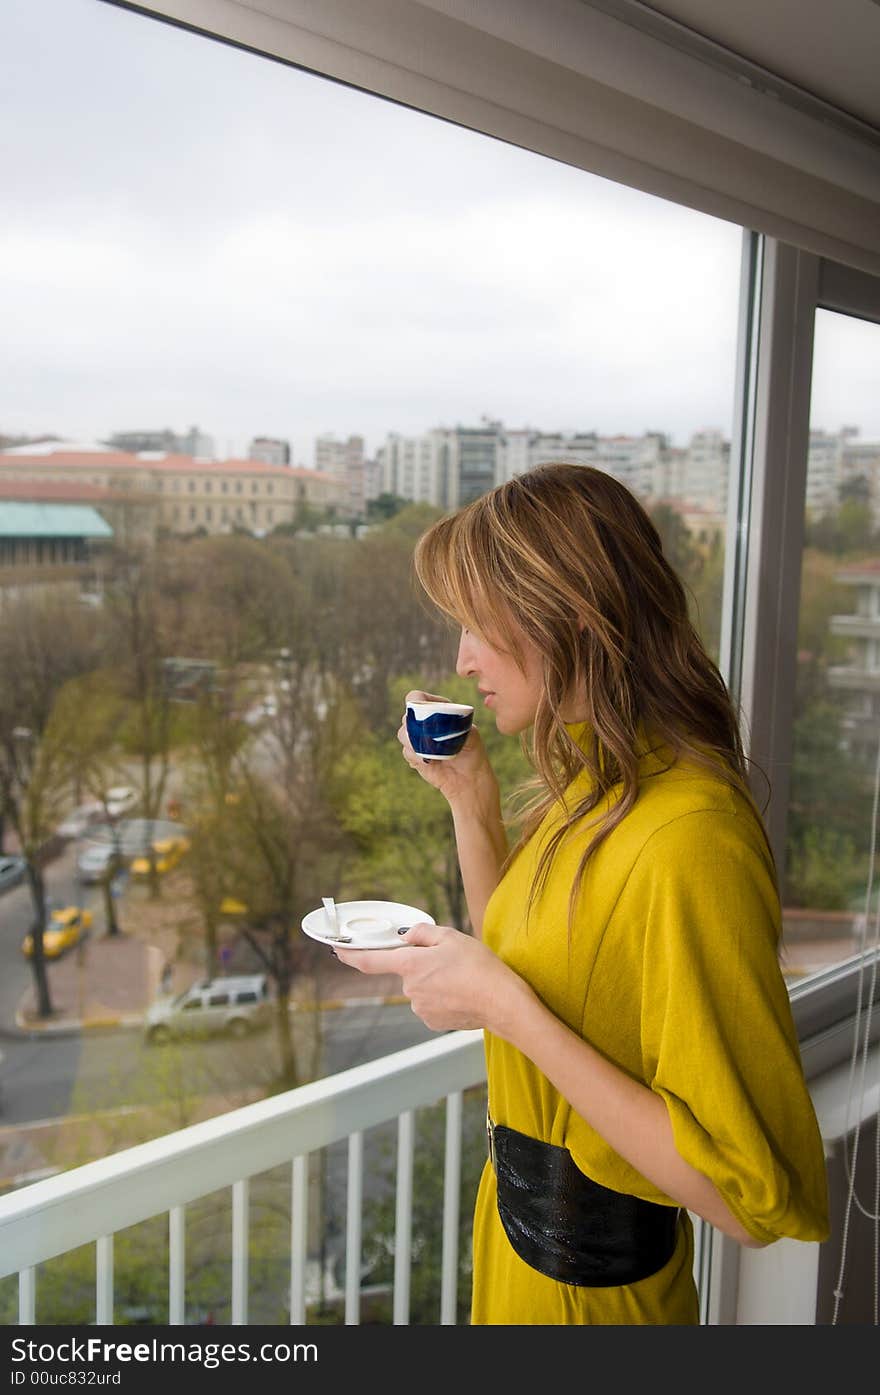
168 852
64 929
230 905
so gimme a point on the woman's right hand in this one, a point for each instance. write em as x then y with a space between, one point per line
466 777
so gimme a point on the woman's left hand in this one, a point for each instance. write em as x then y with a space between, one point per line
452 980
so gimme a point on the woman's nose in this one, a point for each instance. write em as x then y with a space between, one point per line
464 661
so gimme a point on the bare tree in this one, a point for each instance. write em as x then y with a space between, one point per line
90 716
43 643
140 672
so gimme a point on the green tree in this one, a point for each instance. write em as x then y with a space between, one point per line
385 506
427 1214
828 814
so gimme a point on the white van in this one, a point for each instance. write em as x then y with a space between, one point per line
232 1005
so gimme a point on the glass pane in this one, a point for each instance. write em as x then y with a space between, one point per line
830 889
370 315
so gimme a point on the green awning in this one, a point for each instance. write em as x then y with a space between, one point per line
19 520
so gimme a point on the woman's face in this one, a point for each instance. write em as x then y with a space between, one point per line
508 691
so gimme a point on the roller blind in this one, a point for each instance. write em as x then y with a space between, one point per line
578 85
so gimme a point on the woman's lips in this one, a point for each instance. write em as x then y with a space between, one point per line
487 699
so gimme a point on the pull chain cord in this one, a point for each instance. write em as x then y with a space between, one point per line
850 1166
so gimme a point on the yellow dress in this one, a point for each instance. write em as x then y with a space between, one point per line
673 973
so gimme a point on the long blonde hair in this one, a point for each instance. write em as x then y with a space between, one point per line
566 555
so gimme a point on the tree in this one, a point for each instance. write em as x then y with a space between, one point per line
223 598
285 847
33 774
385 506
828 814
211 793
679 548
90 716
136 614
427 1214
42 643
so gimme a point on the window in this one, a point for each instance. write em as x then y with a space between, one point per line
218 1000
836 732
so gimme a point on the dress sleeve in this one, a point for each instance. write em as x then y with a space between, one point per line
718 1038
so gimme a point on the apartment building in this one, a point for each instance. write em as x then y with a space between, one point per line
270 450
858 680
344 463
837 460
416 467
447 467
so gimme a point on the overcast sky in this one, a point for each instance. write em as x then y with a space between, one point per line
195 235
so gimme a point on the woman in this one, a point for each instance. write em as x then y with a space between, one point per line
641 1056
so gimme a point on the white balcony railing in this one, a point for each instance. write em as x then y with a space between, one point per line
92 1203
89 1204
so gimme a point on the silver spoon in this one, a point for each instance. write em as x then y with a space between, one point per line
333 920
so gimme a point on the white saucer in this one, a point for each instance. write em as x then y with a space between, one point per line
316 926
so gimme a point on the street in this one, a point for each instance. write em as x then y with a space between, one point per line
52 1077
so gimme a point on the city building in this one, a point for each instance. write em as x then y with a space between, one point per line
823 472
416 468
858 680
343 462
705 470
475 461
134 441
270 450
860 469
840 463
450 466
193 442
151 490
49 544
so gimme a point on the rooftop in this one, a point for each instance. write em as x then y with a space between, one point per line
31 520
49 454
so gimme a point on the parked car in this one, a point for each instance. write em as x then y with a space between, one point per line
64 929
121 799
79 819
167 852
132 837
262 710
93 862
234 1005
12 871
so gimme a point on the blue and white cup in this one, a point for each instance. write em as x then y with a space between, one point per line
438 730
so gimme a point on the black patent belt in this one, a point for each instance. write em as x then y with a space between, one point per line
567 1226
